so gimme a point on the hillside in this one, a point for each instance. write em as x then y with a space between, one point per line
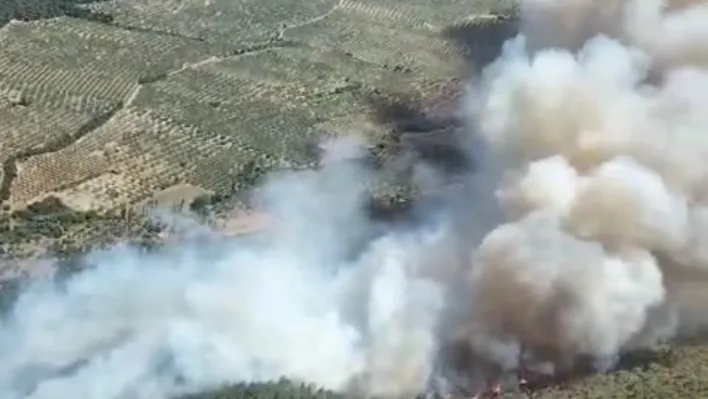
110 107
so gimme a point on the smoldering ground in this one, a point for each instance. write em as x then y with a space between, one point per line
588 132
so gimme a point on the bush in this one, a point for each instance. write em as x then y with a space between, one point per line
283 389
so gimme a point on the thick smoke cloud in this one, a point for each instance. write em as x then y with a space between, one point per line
583 231
322 296
595 113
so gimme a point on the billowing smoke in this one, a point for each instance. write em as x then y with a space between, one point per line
301 299
582 232
594 111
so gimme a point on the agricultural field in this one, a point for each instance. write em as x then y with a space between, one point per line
110 107
137 103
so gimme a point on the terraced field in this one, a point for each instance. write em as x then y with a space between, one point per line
107 105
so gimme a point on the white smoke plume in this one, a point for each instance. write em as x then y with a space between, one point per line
590 137
321 295
595 111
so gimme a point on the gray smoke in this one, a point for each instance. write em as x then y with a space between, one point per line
595 111
300 299
583 231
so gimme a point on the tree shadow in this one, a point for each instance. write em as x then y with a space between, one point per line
32 10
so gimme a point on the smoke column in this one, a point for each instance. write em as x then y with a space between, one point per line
594 111
582 231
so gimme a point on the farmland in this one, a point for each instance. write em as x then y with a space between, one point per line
109 107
